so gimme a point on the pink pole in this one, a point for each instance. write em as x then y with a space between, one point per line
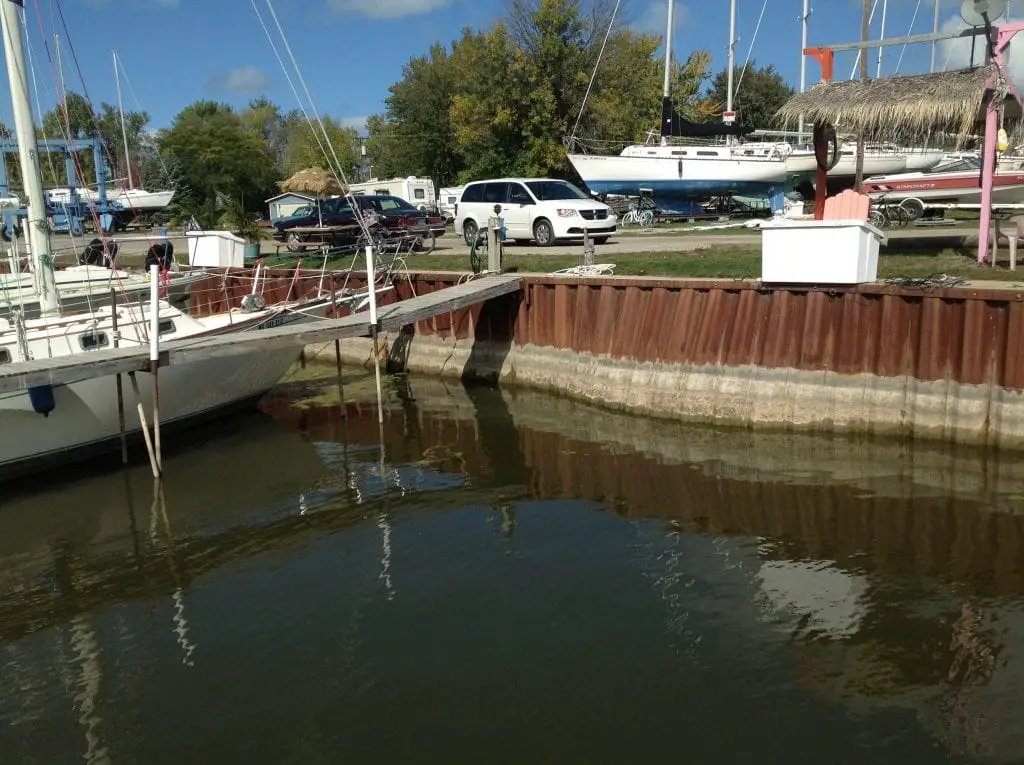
988 164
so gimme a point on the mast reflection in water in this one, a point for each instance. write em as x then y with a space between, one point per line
512 577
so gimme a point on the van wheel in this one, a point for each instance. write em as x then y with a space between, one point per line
600 239
470 231
543 233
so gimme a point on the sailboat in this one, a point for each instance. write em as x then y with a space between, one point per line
56 424
138 200
681 172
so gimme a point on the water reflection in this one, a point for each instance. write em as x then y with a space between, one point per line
515 561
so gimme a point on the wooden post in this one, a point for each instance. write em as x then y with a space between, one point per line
865 31
588 248
337 356
120 383
145 426
988 165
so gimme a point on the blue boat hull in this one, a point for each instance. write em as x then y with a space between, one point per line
681 197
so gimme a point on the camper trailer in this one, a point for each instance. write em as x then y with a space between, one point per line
419 192
447 199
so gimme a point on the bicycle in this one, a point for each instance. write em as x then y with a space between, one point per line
884 213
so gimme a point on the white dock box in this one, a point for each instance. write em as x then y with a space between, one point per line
215 249
819 251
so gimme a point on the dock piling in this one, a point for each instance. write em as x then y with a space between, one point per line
154 357
337 355
371 280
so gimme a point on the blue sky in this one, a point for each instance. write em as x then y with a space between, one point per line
350 51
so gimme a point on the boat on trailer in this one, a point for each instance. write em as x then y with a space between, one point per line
954 181
686 167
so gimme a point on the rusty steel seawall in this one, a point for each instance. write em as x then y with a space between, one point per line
946 364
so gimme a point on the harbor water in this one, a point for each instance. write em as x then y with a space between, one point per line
503 576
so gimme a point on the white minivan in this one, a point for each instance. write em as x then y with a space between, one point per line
542 209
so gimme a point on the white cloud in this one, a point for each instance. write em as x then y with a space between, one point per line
387 9
956 54
246 80
654 19
359 123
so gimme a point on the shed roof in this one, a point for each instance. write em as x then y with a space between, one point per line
901 107
310 197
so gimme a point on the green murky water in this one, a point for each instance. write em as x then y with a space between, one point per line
499 576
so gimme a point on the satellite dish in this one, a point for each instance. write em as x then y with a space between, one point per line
973 12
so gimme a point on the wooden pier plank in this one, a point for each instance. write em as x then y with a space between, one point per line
64 370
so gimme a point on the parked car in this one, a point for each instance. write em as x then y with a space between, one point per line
542 209
399 217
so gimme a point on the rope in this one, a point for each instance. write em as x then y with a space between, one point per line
593 76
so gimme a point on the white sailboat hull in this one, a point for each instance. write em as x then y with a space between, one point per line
84 419
137 200
800 162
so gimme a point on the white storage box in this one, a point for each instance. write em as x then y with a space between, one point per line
215 249
819 251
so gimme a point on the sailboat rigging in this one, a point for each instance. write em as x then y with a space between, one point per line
681 171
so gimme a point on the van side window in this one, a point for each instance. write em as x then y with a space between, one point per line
474 193
496 193
5 356
517 195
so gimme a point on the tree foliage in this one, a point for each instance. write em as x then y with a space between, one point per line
218 155
502 101
757 95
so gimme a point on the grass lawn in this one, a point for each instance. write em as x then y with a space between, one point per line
737 262
730 261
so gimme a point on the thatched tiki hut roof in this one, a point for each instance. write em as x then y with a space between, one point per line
901 107
313 180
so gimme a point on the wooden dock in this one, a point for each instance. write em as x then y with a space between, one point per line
85 366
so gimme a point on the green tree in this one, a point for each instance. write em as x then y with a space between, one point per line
415 135
305 146
217 155
758 94
77 120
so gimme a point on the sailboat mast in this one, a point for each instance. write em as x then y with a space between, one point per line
881 36
732 54
935 31
124 130
666 92
25 130
803 59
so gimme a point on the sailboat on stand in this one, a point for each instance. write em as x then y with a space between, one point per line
685 167
56 424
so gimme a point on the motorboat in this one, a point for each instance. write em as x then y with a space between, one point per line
953 181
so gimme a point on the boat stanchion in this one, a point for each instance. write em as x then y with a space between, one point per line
120 382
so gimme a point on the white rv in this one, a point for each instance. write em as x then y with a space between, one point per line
447 199
419 192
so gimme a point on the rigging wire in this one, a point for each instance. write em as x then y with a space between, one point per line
860 52
593 76
334 166
903 50
751 48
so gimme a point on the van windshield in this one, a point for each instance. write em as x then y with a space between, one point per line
548 190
